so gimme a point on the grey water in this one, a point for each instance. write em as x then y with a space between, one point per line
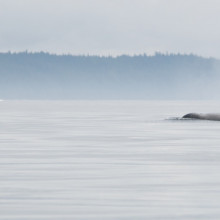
126 160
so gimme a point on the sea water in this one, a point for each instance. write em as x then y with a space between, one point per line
108 160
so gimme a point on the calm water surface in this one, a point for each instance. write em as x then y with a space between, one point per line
108 160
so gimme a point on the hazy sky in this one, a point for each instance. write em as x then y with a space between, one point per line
111 26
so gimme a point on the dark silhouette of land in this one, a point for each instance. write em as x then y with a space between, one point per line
46 76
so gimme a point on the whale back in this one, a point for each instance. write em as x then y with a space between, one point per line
210 116
193 116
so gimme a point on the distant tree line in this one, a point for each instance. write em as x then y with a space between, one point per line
42 75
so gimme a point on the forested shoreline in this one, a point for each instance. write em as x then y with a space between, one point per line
42 75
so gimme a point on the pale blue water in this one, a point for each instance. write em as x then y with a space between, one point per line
109 160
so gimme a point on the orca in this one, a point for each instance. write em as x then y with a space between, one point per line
209 116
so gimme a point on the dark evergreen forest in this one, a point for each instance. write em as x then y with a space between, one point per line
46 76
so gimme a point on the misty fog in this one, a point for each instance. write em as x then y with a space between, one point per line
45 76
